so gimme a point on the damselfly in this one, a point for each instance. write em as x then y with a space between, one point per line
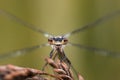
59 42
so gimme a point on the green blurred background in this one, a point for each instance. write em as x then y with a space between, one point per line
59 17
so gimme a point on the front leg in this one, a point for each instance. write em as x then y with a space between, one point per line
67 61
64 58
51 55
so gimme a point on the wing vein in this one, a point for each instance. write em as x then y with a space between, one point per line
25 24
97 22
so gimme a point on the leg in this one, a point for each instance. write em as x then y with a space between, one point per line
64 58
67 61
51 55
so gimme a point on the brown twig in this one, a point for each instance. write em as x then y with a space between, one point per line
11 72
60 72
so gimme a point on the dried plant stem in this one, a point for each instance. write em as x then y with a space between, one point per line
60 72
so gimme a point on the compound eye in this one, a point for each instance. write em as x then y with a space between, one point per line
65 40
50 40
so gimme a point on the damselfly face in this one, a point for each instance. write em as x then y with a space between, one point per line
58 41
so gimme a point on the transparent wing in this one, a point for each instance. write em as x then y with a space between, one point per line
97 22
15 18
103 52
20 51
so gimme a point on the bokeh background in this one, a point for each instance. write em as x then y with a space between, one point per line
59 17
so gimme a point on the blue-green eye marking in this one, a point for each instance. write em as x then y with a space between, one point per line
58 39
